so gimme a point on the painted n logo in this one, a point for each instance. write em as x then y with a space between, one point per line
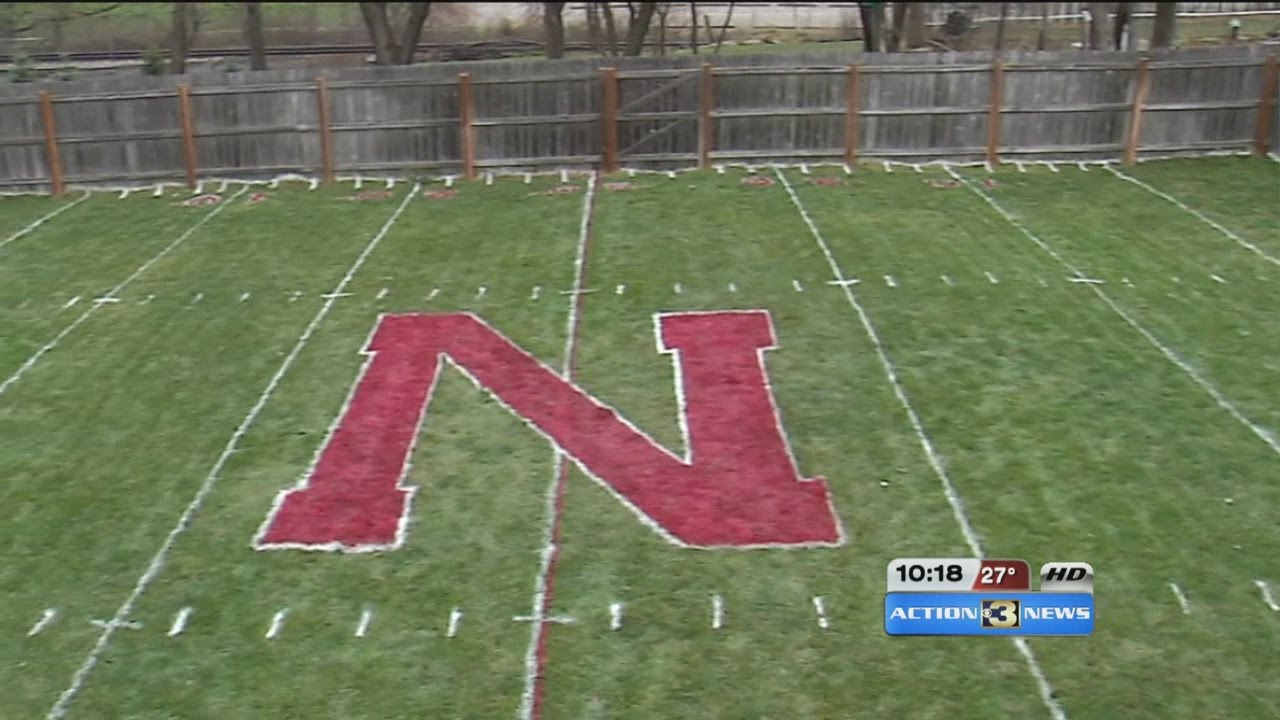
737 485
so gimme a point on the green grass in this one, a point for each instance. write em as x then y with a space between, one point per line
1068 435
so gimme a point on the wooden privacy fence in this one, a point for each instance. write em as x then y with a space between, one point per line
650 112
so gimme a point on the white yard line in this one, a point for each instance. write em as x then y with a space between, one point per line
362 627
1266 595
615 616
934 457
153 569
717 612
548 552
1206 220
45 618
31 361
455 620
820 607
180 622
43 219
1222 400
1182 598
277 623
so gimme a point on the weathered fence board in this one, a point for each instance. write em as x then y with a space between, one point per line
916 106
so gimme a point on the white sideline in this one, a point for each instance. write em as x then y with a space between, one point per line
59 708
935 459
43 219
1206 220
549 522
113 292
1223 401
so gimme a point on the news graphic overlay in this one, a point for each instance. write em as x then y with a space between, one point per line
971 596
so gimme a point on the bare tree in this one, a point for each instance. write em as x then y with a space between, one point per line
254 36
387 49
1099 25
663 10
593 25
999 46
1043 37
897 26
186 22
610 29
1165 27
693 27
1123 16
553 26
638 26
724 29
872 15
917 35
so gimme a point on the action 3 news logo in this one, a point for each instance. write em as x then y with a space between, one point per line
1001 614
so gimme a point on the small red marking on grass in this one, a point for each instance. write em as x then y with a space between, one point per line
758 181
990 183
440 194
202 201
620 186
827 181
371 195
256 198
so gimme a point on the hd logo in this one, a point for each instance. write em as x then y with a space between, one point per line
1001 614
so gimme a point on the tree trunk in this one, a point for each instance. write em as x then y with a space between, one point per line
553 29
638 29
1122 22
178 39
917 34
1099 25
999 46
375 19
1162 32
663 9
898 26
870 28
412 32
593 26
610 30
253 35
724 29
693 27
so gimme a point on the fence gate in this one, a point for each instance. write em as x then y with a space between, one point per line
658 116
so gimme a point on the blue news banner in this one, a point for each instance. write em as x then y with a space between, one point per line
978 613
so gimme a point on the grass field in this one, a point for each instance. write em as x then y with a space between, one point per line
1052 364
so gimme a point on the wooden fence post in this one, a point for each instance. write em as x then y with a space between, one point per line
467 112
609 119
188 133
1267 105
1142 86
705 135
993 114
853 106
326 136
51 143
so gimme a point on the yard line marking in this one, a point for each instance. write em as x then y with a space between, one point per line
244 296
631 172
149 299
888 280
1052 167
1042 282
671 175
1266 595
488 178
159 191
992 278
179 622
1086 281
848 170
434 292
536 653
1177 279
31 361
804 169
455 617
125 193
391 183
564 176
733 287
60 707
43 219
537 289
719 169
1218 279
197 298
1127 282
917 168
199 188
844 283
1083 167
796 284
615 616
275 183
24 304
1021 167
71 302
821 608
277 621
359 181
1182 599
366 617
46 618
314 183
528 178
987 165
1222 400
676 287
337 295
620 289
887 167
587 291
931 453
105 299
557 619
448 181
947 279
383 293
717 612
123 623
481 291
1203 218
296 294
222 186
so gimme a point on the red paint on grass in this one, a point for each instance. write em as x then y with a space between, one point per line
257 197
620 186
440 194
739 486
940 184
827 181
202 201
758 181
371 196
